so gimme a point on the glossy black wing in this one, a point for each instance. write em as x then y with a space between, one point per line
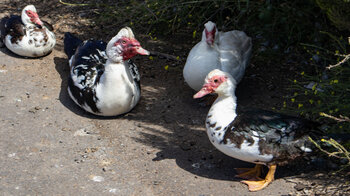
283 136
71 43
275 127
87 66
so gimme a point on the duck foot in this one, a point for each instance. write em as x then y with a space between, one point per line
249 173
254 185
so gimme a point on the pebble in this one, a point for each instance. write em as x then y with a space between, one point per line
114 191
97 178
299 187
81 132
11 155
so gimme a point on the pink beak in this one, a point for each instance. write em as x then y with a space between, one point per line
141 51
38 21
206 89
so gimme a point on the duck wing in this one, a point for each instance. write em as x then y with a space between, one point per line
285 137
87 67
134 73
15 28
235 49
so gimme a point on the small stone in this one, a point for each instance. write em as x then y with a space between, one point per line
81 132
299 187
97 178
114 191
11 155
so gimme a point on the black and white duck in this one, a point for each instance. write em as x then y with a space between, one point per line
255 136
27 35
103 80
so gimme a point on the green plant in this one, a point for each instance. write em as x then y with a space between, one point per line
340 151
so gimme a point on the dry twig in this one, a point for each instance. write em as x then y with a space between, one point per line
346 58
341 118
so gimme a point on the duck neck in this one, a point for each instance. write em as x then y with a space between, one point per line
223 111
112 72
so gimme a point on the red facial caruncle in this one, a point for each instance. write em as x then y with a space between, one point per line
130 47
34 17
210 36
210 86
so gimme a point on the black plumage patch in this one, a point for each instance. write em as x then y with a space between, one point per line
212 125
87 66
217 128
15 28
280 135
134 73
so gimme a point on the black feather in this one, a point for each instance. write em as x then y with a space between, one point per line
283 136
3 33
87 62
71 43
15 28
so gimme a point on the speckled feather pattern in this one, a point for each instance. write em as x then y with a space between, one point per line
256 136
87 66
284 137
28 40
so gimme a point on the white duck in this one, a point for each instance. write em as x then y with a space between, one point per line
256 136
28 35
103 80
227 51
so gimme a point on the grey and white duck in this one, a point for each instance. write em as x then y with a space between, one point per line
255 136
103 80
227 51
27 35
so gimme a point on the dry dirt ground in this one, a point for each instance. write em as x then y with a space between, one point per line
49 146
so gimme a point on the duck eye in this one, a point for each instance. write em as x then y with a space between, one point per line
216 80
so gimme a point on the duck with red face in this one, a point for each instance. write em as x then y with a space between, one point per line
27 35
103 80
256 136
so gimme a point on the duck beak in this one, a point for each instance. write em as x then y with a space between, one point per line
141 51
206 89
210 40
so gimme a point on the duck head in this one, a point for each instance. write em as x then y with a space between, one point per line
210 33
218 82
124 46
29 16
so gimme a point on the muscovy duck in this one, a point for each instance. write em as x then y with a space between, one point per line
228 51
255 136
103 80
27 35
